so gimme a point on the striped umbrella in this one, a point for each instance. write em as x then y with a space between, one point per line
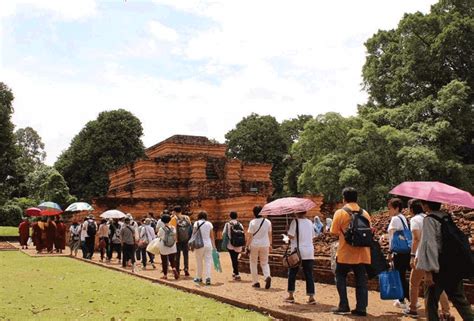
49 205
78 207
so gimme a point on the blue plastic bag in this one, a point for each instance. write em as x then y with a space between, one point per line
401 241
390 285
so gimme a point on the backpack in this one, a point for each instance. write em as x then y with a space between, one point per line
183 229
237 235
169 239
402 240
76 233
359 233
116 235
455 259
91 229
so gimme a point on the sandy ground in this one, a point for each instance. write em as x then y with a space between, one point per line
272 299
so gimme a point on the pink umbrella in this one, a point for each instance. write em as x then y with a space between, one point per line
435 192
33 211
287 205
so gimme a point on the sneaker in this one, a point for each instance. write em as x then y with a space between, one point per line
153 265
268 282
399 304
290 300
197 280
133 268
208 281
359 313
256 285
311 301
176 274
340 311
186 273
410 313
237 278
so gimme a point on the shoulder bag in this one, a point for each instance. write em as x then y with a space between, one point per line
293 259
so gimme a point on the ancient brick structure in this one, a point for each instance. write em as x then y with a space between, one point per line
190 171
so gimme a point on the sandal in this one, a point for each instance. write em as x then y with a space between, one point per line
290 300
311 301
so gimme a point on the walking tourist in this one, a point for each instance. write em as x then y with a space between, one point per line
24 232
183 226
74 237
103 234
91 231
259 245
349 257
416 276
50 234
167 245
236 236
301 234
204 254
60 240
429 260
127 237
401 259
115 240
147 234
83 238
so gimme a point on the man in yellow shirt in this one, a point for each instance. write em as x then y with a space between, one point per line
350 257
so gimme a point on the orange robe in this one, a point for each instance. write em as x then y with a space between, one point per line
50 235
60 240
39 236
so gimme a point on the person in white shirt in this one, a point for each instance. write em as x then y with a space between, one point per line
167 251
416 276
147 234
75 237
83 238
259 244
301 234
204 254
401 261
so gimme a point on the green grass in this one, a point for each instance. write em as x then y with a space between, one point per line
8 231
55 288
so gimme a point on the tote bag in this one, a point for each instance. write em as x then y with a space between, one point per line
154 247
401 241
390 285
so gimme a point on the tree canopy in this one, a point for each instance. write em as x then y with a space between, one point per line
110 141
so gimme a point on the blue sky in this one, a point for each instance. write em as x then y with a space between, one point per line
184 67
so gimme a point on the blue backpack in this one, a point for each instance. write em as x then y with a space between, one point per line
401 241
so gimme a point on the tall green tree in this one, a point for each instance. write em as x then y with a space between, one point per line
8 151
30 144
259 139
110 141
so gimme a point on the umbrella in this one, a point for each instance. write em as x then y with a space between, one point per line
79 206
49 205
112 214
287 205
434 192
33 211
50 212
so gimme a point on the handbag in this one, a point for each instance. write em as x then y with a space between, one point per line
154 247
196 242
401 241
293 259
390 285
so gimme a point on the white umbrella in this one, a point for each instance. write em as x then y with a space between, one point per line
79 206
112 214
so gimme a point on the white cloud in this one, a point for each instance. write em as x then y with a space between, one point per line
162 32
68 10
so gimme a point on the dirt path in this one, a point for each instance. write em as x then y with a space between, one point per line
241 293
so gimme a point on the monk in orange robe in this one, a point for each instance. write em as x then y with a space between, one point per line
50 234
39 235
60 240
24 232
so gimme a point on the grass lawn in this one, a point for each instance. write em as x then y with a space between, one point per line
8 231
55 288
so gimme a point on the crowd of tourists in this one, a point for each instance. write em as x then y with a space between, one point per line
127 239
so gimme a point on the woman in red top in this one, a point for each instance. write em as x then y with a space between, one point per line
60 240
24 231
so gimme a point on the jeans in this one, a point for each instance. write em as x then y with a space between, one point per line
455 292
307 266
234 256
203 255
362 293
256 253
401 262
182 247
143 256
166 260
84 249
115 247
90 245
128 253
416 277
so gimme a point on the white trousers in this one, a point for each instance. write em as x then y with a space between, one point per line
204 255
256 253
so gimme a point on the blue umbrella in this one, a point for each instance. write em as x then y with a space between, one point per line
49 205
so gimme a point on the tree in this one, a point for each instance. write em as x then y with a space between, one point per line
259 139
8 152
30 144
110 141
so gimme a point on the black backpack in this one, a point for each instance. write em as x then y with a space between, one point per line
455 260
359 233
91 229
237 235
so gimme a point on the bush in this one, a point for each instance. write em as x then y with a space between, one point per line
10 215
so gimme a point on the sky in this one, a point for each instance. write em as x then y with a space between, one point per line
193 67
